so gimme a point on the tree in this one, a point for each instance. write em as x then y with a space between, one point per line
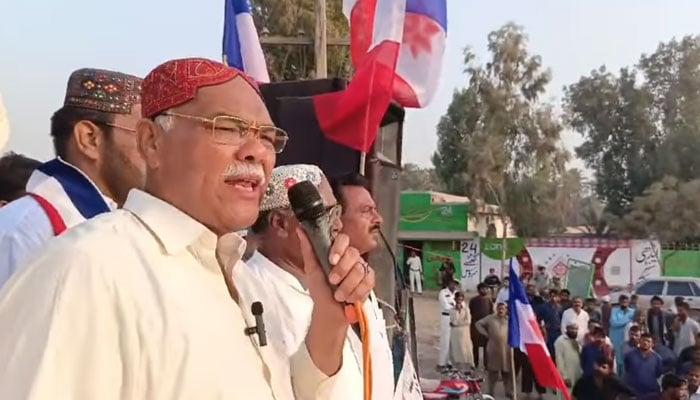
293 18
414 177
613 114
641 124
669 210
498 143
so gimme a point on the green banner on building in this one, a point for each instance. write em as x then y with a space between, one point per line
418 213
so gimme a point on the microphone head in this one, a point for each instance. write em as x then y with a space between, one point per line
306 201
256 308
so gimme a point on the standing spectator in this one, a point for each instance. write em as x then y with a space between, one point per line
673 387
677 301
576 315
693 378
619 318
502 296
639 320
656 320
15 170
556 283
541 278
687 353
643 367
565 299
567 352
415 272
601 383
605 311
480 307
684 329
594 350
668 358
461 351
499 367
591 308
447 303
446 272
549 315
634 301
688 365
634 335
493 281
532 295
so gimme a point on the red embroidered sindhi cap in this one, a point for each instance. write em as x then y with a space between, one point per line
176 82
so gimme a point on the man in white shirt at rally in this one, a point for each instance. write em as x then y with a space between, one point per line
362 222
415 272
576 315
281 272
141 303
97 163
446 299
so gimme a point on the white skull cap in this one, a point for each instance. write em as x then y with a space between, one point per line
283 178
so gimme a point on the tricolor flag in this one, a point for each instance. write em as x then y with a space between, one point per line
241 47
352 117
422 47
524 333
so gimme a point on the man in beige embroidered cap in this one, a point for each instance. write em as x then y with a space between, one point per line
96 164
282 275
141 303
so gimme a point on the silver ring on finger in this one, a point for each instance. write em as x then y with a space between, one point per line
365 267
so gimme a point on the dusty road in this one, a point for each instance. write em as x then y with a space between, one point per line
427 329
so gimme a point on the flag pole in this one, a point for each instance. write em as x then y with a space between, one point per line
512 373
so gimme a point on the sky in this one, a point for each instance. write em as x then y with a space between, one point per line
43 41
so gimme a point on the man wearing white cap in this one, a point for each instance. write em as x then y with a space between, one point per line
280 270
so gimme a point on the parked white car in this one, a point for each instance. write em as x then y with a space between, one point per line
668 288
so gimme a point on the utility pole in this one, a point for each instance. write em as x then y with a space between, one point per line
320 42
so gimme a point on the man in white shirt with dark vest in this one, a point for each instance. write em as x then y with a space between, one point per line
96 164
141 303
281 271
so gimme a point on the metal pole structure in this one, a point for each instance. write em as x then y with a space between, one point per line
320 41
512 374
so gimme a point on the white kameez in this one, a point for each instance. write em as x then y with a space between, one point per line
132 305
292 305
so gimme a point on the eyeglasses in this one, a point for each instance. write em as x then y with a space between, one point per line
334 212
232 130
130 130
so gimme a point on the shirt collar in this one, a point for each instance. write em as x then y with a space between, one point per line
265 265
176 230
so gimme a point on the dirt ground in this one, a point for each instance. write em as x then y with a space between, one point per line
427 333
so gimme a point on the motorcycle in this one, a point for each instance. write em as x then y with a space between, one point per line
455 385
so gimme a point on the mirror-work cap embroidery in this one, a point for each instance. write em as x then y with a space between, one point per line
103 90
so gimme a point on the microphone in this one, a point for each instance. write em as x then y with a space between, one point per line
257 310
312 215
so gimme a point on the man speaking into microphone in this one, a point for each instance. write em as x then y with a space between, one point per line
141 303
